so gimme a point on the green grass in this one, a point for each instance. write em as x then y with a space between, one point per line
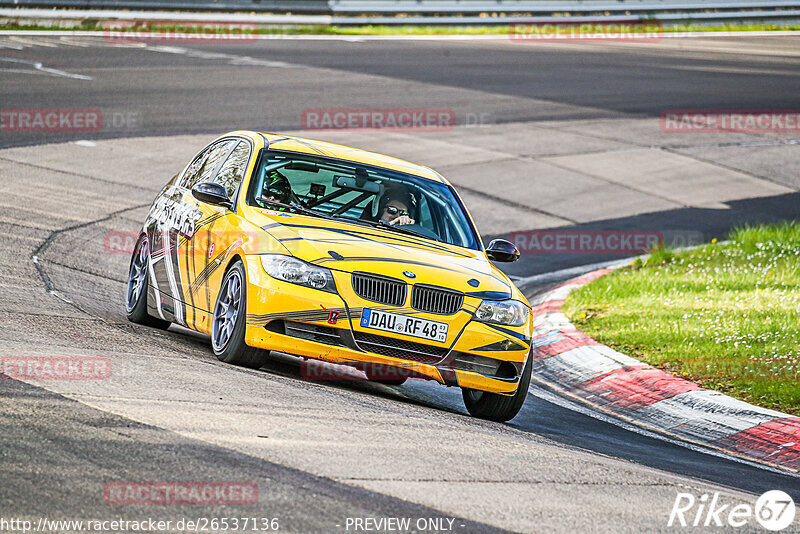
499 29
726 316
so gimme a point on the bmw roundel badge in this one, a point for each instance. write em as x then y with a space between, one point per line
409 274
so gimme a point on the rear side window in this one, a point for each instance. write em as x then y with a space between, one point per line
206 163
232 171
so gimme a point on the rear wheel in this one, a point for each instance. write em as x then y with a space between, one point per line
228 322
138 285
496 407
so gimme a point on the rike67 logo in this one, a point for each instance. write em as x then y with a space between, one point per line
774 511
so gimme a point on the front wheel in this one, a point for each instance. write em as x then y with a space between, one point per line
136 293
228 322
496 407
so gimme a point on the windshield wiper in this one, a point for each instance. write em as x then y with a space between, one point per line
355 220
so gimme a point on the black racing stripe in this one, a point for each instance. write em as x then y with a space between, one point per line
268 143
383 238
204 275
461 270
173 237
209 269
397 260
189 274
208 220
506 331
295 313
499 346
493 295
206 259
300 315
307 145
201 223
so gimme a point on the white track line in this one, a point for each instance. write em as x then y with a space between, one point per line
41 69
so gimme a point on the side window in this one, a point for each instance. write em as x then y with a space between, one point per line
425 217
204 165
194 168
232 171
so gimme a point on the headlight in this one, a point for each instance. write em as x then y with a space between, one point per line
508 312
298 272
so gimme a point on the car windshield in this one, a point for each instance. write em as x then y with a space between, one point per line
362 194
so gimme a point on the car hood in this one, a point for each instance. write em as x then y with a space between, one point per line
352 247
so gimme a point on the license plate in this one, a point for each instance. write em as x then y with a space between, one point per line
403 324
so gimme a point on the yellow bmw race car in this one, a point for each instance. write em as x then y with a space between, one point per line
331 253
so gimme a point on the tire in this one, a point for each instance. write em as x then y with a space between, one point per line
228 321
496 407
138 286
379 374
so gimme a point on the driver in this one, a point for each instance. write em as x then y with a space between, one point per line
396 206
278 189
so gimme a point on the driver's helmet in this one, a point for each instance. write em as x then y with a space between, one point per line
278 188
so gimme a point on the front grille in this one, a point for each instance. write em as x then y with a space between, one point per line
379 289
435 300
398 348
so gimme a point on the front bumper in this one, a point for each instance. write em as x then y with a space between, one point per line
325 326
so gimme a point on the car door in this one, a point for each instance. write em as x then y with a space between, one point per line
171 225
216 233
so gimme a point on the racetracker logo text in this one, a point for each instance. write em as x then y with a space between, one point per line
586 30
774 510
50 120
55 368
413 119
316 370
600 241
38 120
172 32
180 493
720 121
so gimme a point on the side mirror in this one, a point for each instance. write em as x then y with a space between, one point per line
502 250
212 194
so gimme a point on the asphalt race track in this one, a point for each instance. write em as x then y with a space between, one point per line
548 135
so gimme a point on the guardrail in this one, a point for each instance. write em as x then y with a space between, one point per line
546 6
278 6
386 12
